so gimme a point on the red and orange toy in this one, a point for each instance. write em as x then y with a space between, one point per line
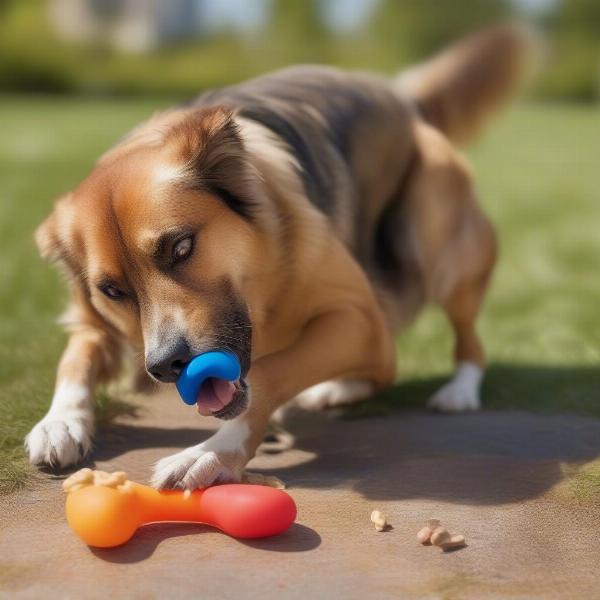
105 510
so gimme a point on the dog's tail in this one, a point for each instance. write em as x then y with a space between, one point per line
457 89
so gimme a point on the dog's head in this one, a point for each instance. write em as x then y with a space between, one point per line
162 241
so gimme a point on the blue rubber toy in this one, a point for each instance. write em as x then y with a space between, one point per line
223 365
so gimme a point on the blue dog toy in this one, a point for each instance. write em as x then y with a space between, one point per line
222 365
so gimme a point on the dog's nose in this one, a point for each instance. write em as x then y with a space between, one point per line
165 364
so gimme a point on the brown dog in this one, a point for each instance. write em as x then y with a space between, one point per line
298 220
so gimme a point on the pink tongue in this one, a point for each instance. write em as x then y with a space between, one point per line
214 395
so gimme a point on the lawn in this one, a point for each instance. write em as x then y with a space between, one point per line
538 175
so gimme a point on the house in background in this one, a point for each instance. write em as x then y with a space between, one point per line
143 25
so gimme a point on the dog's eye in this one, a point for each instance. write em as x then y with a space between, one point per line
182 249
112 292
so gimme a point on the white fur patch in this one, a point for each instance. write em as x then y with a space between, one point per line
207 463
70 395
64 436
261 141
180 318
165 173
162 325
151 331
334 393
462 392
230 438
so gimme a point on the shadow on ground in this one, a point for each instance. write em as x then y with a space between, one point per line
513 387
493 474
298 538
390 448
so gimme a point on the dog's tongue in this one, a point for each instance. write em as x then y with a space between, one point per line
214 395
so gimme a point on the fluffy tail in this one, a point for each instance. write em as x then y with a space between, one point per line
457 89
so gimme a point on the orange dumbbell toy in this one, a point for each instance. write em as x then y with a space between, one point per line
105 509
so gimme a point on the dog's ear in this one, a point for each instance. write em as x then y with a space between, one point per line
48 236
210 144
47 240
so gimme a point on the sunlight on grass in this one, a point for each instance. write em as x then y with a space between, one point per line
581 482
537 172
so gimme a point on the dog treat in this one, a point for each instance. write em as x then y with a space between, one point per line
424 535
379 520
105 509
444 539
439 536
434 533
456 540
85 477
260 479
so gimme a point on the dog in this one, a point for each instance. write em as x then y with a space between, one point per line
299 220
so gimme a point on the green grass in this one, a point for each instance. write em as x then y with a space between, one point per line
538 176
47 146
581 482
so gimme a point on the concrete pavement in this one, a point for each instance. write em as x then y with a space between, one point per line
497 477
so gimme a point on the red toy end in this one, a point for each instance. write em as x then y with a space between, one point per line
248 511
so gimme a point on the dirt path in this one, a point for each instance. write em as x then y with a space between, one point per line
496 477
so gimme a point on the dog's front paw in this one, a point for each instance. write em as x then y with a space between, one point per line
330 394
196 467
59 442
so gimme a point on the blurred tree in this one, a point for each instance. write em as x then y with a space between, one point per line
298 18
296 29
578 17
414 29
4 5
574 70
390 34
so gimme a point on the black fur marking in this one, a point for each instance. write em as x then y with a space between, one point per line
313 172
331 122
390 230
217 162
232 326
240 206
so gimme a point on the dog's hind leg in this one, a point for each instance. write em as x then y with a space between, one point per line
456 248
461 393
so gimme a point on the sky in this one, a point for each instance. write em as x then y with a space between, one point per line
340 15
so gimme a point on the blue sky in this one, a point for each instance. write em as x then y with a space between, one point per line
340 15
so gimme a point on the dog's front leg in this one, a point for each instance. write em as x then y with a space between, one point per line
64 436
347 342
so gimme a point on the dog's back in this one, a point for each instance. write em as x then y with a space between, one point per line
351 133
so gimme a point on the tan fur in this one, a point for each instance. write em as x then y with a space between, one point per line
456 243
327 322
